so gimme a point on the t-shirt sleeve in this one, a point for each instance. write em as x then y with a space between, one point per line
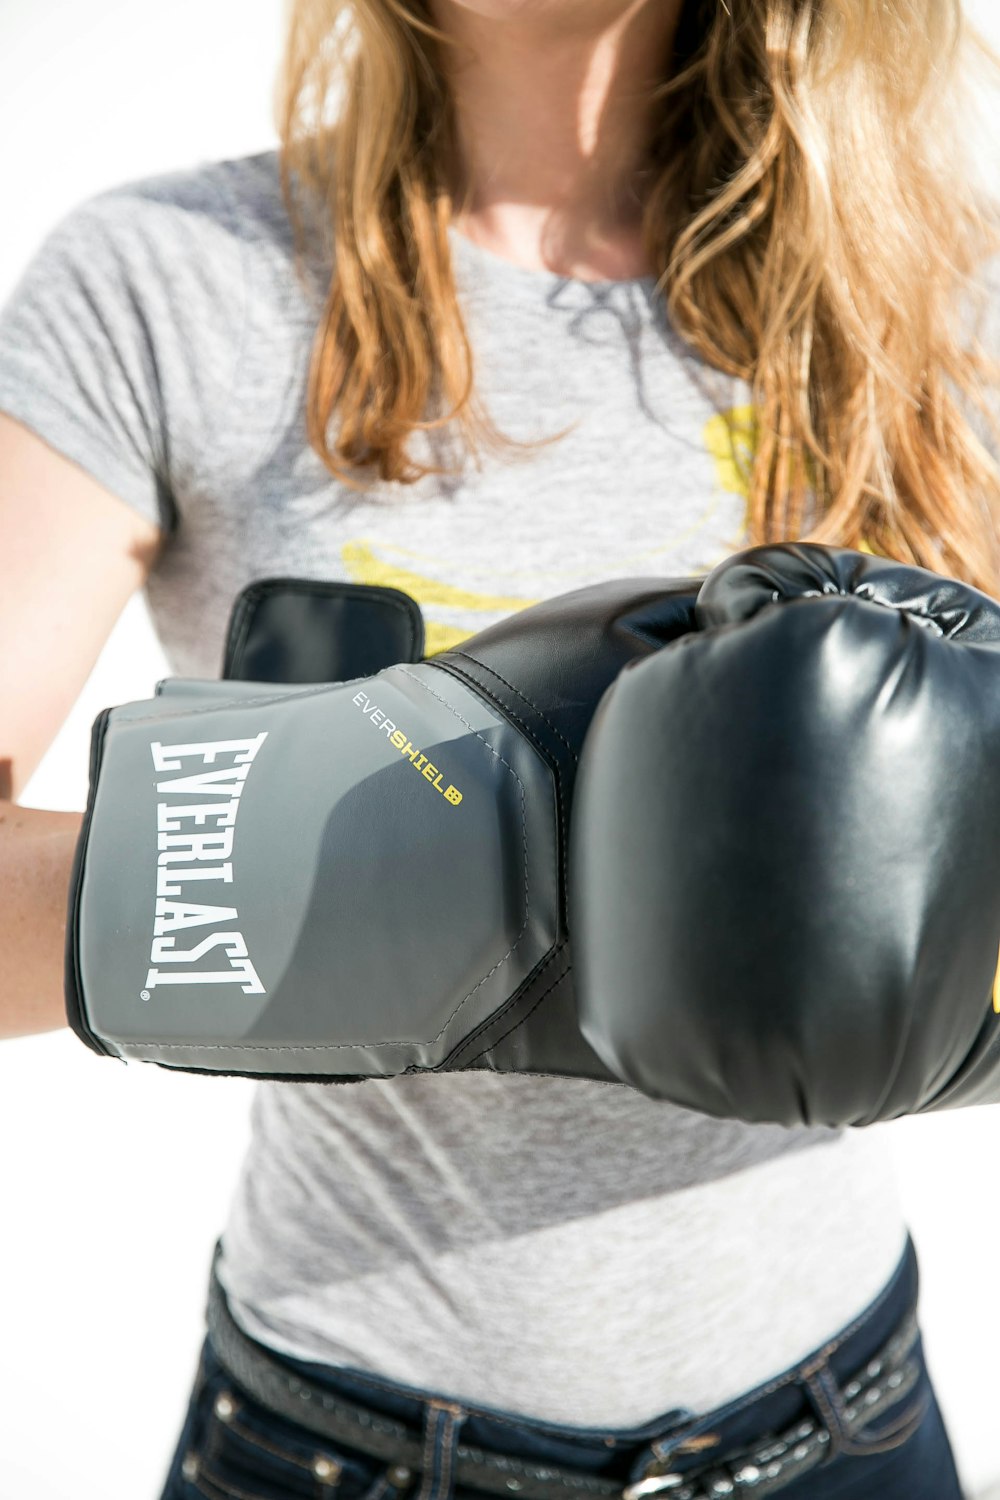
119 344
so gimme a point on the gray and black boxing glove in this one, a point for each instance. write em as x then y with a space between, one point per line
785 882
335 882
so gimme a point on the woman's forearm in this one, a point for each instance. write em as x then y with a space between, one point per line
36 859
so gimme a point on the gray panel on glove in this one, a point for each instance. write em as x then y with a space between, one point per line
425 880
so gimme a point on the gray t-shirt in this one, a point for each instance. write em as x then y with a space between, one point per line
562 1248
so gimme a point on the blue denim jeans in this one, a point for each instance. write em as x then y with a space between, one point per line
231 1448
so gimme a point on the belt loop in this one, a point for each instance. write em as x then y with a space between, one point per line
442 1425
826 1400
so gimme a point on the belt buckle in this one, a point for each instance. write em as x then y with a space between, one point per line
652 1483
658 1478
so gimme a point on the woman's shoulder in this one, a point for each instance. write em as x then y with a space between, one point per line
238 196
177 251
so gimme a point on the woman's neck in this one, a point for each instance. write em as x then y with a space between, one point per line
554 118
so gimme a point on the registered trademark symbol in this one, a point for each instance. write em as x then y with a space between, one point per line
144 995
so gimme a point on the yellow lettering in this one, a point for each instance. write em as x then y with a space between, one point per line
428 771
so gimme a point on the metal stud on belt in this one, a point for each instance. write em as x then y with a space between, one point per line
652 1486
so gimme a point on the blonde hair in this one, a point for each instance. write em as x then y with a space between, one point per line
814 215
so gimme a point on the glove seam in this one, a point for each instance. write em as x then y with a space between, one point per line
552 759
498 1015
405 672
533 706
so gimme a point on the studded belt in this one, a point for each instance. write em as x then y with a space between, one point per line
681 1466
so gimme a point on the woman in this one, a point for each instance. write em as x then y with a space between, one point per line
717 263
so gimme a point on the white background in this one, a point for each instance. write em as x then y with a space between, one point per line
114 1180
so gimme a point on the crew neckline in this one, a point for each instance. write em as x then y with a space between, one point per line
533 276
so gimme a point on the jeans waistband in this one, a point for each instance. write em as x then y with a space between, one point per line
758 1443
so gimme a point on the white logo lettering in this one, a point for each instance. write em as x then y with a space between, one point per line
195 843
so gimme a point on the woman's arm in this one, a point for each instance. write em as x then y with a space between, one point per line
72 555
36 857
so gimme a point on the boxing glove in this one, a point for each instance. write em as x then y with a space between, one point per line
785 869
341 881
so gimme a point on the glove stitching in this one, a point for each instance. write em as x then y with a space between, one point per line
534 706
498 1015
562 853
607 1082
384 1042
524 836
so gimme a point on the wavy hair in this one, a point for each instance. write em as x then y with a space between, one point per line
816 215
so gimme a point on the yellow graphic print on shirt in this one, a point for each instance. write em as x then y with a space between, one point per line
364 566
730 439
